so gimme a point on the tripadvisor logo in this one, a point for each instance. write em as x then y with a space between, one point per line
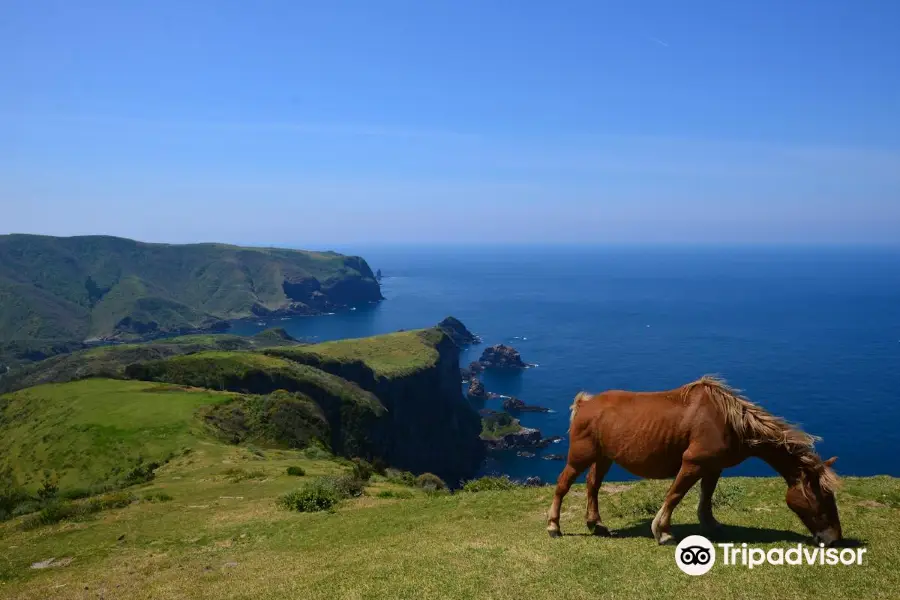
696 555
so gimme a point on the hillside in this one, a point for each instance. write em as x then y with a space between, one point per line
111 360
394 397
421 422
173 488
56 291
222 535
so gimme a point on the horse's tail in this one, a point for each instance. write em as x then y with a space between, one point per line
580 397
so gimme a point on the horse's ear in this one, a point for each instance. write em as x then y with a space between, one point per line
830 461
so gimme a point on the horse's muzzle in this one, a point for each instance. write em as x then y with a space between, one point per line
828 537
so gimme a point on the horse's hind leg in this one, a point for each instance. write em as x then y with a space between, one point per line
594 479
704 509
684 481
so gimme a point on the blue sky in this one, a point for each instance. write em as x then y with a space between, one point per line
308 124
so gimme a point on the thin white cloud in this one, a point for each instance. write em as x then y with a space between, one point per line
658 41
299 127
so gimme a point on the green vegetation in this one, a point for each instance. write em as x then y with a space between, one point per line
296 471
97 430
110 361
59 291
490 484
216 539
280 419
295 420
54 512
390 355
430 482
498 424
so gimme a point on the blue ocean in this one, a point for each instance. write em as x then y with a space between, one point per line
812 334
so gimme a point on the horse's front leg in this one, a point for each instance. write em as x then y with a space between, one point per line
594 480
684 481
704 509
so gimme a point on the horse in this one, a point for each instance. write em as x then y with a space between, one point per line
692 433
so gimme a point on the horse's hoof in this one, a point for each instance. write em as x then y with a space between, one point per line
554 533
666 539
601 531
711 528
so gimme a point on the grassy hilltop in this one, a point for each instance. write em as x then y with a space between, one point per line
58 291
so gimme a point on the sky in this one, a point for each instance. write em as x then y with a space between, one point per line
322 123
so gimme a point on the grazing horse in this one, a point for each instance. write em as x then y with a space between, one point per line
691 433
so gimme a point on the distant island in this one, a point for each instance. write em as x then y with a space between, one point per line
58 292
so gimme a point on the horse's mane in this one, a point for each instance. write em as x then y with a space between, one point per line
754 425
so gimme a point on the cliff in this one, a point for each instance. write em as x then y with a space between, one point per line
396 397
428 424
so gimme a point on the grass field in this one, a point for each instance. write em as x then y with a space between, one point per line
220 539
390 355
87 429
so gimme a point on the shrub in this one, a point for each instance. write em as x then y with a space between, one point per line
141 473
399 494
25 507
12 495
400 477
430 482
728 494
315 496
76 494
317 452
157 497
49 486
237 474
379 466
296 471
362 469
484 484
56 511
115 500
322 493
347 486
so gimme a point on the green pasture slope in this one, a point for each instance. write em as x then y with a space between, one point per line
222 535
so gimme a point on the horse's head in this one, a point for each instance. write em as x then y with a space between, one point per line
812 498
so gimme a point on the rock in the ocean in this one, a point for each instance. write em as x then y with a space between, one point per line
554 457
525 437
534 481
525 454
547 441
513 404
466 374
476 367
476 389
458 332
502 357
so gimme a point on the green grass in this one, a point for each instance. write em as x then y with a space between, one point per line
216 539
110 361
497 425
252 372
391 355
91 431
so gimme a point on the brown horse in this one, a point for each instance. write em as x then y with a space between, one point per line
691 433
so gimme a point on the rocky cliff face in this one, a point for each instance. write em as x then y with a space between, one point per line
428 426
431 426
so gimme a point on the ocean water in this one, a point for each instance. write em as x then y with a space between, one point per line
811 334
